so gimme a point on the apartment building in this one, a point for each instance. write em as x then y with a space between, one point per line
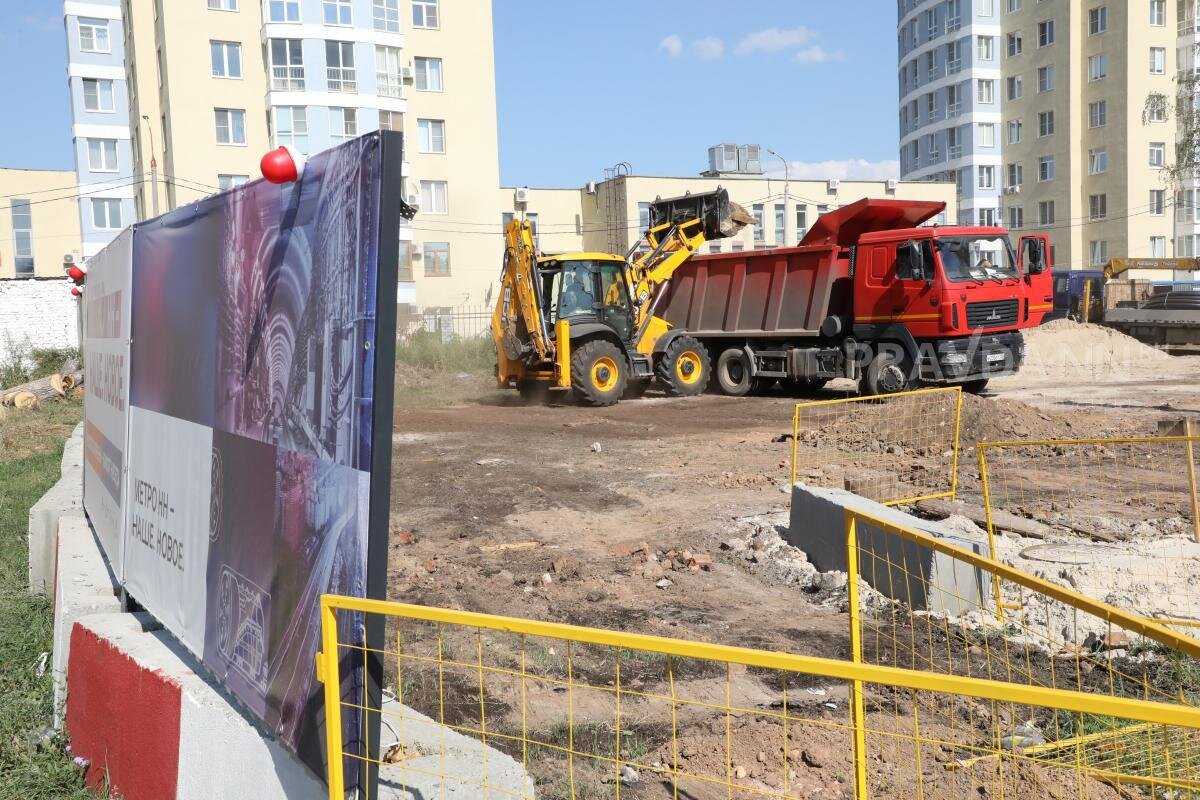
950 99
104 164
1187 194
1089 128
39 222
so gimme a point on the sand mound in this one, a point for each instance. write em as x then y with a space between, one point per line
1065 348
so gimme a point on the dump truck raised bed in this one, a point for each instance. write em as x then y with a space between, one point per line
867 295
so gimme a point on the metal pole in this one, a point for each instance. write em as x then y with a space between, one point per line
153 167
1189 429
858 716
786 188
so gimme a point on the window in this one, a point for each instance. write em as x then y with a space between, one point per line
93 35
434 198
387 15
984 48
229 181
987 217
1015 87
1097 161
1158 202
429 74
425 13
1097 20
231 125
291 127
226 59
1046 78
287 65
387 71
1185 206
1158 154
1016 44
391 121
987 177
759 214
801 221
1015 174
1097 114
431 135
1156 108
437 259
343 124
1097 68
1099 252
337 12
986 134
106 214
1016 217
1045 123
1158 60
1046 33
339 67
986 92
780 223
222 5
1014 131
1014 6
1046 212
987 8
1097 206
283 11
1045 169
714 247
1158 12
643 216
97 94
22 224
737 247
102 155
1158 247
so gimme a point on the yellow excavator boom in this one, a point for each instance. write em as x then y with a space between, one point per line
518 326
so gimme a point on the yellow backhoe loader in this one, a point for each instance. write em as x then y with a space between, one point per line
586 321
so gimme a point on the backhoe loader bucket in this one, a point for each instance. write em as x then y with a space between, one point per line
719 216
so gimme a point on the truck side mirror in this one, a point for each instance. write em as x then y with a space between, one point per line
916 260
1035 256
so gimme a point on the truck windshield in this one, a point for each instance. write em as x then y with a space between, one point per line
977 258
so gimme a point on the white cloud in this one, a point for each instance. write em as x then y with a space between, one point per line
672 45
817 55
710 48
853 169
773 40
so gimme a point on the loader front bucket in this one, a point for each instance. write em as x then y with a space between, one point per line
720 217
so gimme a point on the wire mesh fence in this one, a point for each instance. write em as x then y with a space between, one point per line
891 448
465 322
1118 518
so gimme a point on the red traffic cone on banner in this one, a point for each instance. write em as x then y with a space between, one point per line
282 165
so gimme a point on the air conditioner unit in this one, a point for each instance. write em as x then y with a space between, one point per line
892 183
834 184
723 158
68 259
418 252
521 194
591 187
407 74
414 200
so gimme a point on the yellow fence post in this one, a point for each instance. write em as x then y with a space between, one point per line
327 673
857 712
981 450
795 449
954 457
1189 430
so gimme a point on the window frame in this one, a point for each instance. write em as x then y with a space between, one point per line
98 82
421 69
1154 62
338 7
107 146
1045 29
107 203
94 24
223 5
1045 175
347 116
231 115
425 131
225 46
285 5
1161 149
378 6
1097 161
22 232
293 138
425 6
1097 67
430 189
442 249
1100 118
1097 20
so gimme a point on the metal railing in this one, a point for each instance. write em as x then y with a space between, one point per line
287 78
468 322
341 79
389 84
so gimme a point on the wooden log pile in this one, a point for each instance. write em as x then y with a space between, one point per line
34 393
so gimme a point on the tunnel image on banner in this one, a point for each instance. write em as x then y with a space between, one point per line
256 325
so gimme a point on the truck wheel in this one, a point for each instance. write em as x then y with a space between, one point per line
976 386
684 368
599 373
886 374
733 373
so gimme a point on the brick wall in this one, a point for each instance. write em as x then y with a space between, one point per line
41 313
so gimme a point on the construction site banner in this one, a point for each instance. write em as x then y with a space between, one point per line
260 424
106 401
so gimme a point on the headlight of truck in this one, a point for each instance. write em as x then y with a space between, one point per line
954 358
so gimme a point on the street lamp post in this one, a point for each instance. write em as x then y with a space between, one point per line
153 167
786 186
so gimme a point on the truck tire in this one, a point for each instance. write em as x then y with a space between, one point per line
684 368
976 386
886 374
732 375
599 372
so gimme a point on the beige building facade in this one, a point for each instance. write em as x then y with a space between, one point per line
1088 126
39 222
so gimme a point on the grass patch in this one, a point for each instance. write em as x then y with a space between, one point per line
427 351
30 452
21 364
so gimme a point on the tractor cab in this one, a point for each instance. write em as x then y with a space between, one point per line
586 287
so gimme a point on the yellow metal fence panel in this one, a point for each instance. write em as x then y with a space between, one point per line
890 448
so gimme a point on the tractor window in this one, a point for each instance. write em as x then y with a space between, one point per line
577 295
615 297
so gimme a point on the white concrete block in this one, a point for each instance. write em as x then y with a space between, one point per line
64 499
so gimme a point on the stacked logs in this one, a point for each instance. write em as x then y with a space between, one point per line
34 393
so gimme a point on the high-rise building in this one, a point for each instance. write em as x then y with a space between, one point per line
950 99
1187 196
200 89
1090 128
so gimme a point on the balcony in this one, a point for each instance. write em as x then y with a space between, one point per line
953 24
341 79
388 84
287 79
954 67
953 109
954 152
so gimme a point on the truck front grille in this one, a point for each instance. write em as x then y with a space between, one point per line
992 314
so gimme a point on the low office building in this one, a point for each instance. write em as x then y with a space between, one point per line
39 222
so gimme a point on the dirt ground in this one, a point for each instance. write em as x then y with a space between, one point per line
550 513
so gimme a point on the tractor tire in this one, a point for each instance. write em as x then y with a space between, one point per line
886 374
976 386
599 373
684 368
732 374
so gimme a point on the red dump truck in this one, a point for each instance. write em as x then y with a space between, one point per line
867 295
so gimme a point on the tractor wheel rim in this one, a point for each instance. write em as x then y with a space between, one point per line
604 374
688 367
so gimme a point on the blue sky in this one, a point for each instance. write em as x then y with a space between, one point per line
582 85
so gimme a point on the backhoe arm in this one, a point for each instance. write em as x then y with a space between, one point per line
518 326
